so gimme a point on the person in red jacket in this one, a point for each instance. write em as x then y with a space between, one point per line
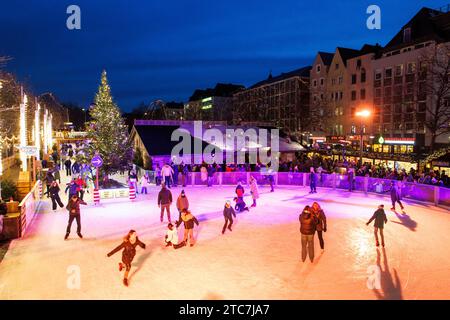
129 244
81 185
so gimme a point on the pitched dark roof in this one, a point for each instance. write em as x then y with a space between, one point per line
220 90
157 139
326 57
427 24
368 48
347 53
302 72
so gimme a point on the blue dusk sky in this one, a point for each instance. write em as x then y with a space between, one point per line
167 49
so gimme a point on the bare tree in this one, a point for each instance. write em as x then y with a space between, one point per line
434 67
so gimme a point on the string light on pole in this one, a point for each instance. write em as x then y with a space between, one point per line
23 129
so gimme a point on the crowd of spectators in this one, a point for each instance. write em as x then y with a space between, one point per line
303 163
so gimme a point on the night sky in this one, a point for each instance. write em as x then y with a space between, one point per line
166 49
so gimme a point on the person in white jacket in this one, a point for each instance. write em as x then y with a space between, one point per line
254 190
171 237
144 184
167 173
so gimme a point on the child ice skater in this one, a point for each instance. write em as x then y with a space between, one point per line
380 219
171 238
228 214
129 244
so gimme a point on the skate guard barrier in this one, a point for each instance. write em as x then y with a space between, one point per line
439 196
28 208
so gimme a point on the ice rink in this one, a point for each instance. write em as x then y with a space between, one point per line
260 259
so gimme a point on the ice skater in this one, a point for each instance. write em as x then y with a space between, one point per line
129 244
54 195
351 178
312 180
182 203
74 214
395 196
380 219
228 214
321 223
165 201
254 190
308 223
188 219
240 203
144 184
171 238
167 173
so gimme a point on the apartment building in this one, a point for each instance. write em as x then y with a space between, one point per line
282 100
401 100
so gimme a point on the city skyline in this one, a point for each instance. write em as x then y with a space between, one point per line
184 55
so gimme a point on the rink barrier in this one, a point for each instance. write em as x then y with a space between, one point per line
29 207
439 196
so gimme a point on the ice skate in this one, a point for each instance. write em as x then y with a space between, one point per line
80 235
120 266
125 282
66 236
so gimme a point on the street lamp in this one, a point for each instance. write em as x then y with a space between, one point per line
363 114
84 111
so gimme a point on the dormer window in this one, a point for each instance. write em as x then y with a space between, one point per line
407 35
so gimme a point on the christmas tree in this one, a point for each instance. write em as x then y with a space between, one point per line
107 133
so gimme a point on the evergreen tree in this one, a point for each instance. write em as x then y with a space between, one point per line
108 133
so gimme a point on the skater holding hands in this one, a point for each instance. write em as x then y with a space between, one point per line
171 238
322 223
129 244
308 223
380 219
188 219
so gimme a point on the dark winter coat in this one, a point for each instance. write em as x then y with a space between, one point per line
68 164
395 194
49 178
129 250
380 219
54 191
188 220
312 178
321 220
308 223
74 206
229 213
72 187
164 196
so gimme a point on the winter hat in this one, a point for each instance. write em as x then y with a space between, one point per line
182 192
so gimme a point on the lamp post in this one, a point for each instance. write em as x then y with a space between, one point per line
363 114
23 129
84 113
